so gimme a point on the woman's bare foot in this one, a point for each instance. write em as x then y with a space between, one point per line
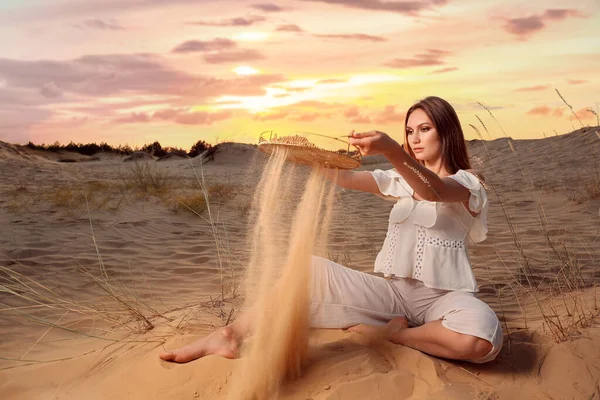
223 342
385 332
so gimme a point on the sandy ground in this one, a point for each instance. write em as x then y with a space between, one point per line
84 282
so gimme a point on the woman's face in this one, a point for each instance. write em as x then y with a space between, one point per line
422 136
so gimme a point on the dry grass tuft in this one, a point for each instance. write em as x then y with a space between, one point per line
192 202
146 177
558 286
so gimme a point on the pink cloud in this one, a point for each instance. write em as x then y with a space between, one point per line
576 81
585 113
402 7
353 36
240 21
192 46
317 104
267 7
355 116
445 70
560 14
289 28
308 117
202 117
532 88
545 111
134 118
111 25
389 115
178 116
233 56
526 26
429 58
50 90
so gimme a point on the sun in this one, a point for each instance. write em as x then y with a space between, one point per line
245 70
251 36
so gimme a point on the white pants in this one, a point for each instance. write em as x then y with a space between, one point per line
342 297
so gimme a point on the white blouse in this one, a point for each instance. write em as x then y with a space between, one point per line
425 239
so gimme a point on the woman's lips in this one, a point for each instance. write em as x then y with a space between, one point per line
417 149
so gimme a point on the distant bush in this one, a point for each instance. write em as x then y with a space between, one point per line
155 149
85 149
152 148
198 148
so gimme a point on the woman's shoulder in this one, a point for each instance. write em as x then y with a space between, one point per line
471 178
477 173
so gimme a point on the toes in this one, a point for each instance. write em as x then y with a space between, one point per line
167 356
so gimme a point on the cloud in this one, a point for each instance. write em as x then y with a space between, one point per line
111 25
525 27
317 104
354 116
134 118
532 88
576 81
560 14
192 46
267 7
240 21
105 87
202 117
263 117
402 7
50 90
289 28
15 123
130 74
430 58
444 70
545 111
354 36
389 115
585 113
233 56
178 116
309 117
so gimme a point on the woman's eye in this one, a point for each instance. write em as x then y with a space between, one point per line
424 129
409 132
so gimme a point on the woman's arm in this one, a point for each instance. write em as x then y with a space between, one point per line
426 184
355 180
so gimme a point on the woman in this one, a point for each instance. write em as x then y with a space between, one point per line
426 298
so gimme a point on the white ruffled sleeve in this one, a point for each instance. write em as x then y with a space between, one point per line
478 203
391 184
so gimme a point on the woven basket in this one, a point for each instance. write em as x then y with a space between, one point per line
311 149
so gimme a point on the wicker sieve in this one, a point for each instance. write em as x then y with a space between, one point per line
311 149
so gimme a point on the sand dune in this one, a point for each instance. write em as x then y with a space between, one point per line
537 270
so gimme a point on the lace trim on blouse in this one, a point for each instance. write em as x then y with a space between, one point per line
420 247
422 240
389 262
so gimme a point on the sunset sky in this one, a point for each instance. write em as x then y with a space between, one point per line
136 71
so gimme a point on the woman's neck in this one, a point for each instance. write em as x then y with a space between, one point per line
437 167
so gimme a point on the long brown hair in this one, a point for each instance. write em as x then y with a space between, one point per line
447 124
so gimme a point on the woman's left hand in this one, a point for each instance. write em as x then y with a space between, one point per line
372 143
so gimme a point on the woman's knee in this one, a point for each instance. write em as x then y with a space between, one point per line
473 347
